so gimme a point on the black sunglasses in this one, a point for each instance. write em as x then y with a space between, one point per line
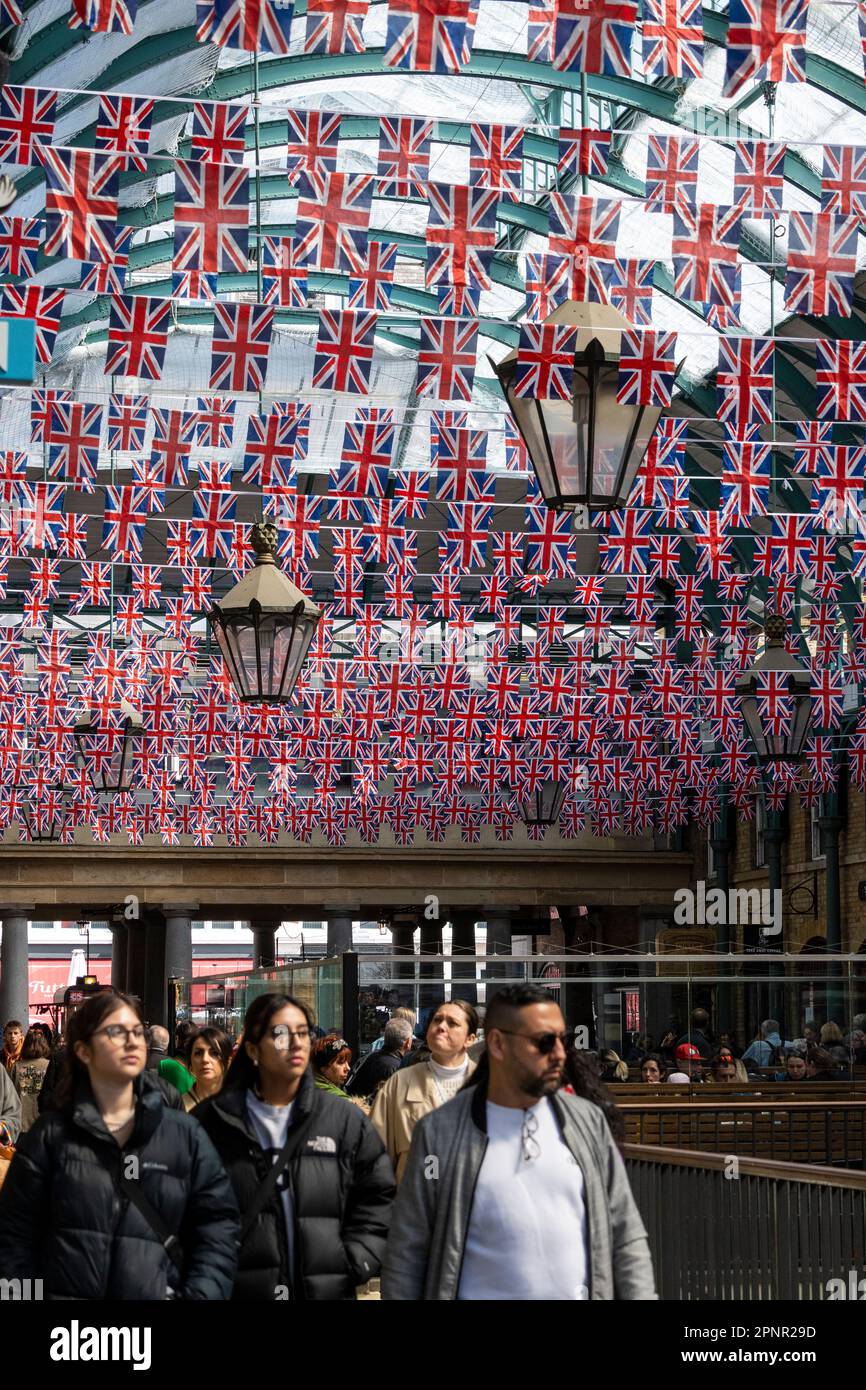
545 1042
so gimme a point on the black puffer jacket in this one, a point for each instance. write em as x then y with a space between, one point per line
342 1186
63 1220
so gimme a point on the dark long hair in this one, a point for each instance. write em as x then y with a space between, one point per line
81 1028
217 1041
581 1073
242 1072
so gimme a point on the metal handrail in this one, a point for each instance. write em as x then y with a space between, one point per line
777 1169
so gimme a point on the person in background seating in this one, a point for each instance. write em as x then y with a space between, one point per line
727 1043
687 1060
13 1041
765 1048
724 1068
795 1067
819 1065
698 1034
613 1068
581 1078
653 1069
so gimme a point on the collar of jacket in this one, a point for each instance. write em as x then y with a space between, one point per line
478 1108
148 1110
231 1104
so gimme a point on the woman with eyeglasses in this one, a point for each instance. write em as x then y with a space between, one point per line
112 1194
312 1180
414 1091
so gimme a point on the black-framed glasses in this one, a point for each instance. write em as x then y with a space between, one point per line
281 1032
115 1032
545 1042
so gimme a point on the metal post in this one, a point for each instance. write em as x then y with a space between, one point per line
830 825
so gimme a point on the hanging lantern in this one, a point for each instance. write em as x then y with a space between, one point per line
264 627
586 451
544 805
782 739
44 820
105 753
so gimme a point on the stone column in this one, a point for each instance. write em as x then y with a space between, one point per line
135 959
178 948
14 967
431 988
119 953
463 984
154 967
339 935
830 825
498 944
403 944
264 944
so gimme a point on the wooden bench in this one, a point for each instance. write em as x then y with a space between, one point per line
795 1130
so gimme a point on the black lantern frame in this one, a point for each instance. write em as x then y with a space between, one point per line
544 805
789 745
264 627
585 451
111 775
45 824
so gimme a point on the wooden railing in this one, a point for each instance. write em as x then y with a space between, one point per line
749 1228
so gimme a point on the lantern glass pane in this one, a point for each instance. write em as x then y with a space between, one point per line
236 636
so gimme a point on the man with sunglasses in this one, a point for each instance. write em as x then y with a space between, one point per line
515 1189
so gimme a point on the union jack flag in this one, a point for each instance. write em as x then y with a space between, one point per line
41 514
759 176
334 26
123 127
624 546
81 204
26 123
516 458
541 29
344 351
137 336
284 282
541 298
584 231
583 151
10 13
841 379
744 382
594 38
194 285
461 458
169 450
545 362
312 148
124 519
673 38
403 164
212 524
106 277
647 367
745 481
672 173
630 289
446 359
332 222
211 217
461 234
103 16
41 304
705 246
843 181
127 423
269 451
814 437
242 337
370 284
40 412
217 135
214 422
464 540
766 42
368 448
73 440
251 25
496 157
426 35
838 486
822 259
20 240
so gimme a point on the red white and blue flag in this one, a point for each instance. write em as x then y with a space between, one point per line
672 173
744 383
123 126
217 134
215 422
26 123
673 38
541 30
745 481
841 379
759 176
41 304
269 451
647 366
843 181
461 235
334 26
371 283
766 43
630 289
705 250
73 439
403 164
446 359
344 351
81 204
103 16
241 341
20 240
333 219
250 25
594 37
284 281
426 35
313 142
584 230
582 151
496 158
211 217
545 361
127 423
822 260
137 336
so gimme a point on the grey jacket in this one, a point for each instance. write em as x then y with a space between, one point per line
424 1255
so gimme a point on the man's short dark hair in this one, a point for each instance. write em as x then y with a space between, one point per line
700 1019
501 1008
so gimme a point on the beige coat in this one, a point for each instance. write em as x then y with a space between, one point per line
405 1097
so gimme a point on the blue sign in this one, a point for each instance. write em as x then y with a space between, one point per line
17 351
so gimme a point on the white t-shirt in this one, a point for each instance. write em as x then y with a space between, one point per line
270 1124
527 1236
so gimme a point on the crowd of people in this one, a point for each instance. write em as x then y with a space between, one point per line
449 1167
823 1053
